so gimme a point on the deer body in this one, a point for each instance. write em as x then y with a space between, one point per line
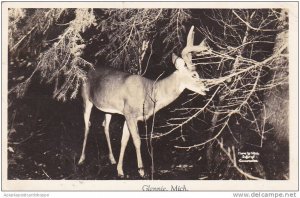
136 94
135 97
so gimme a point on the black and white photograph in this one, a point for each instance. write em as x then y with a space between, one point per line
157 96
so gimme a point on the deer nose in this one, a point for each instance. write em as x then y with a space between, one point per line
204 87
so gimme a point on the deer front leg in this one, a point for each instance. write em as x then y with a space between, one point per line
106 131
124 141
133 129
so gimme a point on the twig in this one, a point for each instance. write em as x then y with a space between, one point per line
251 27
23 38
191 117
207 141
24 140
213 82
46 173
151 51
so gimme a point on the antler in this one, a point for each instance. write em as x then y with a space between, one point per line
186 53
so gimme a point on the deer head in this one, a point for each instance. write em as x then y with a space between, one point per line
189 77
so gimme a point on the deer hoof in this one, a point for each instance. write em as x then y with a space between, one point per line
121 176
112 159
120 172
81 160
141 172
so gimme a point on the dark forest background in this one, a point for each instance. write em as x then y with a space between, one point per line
195 137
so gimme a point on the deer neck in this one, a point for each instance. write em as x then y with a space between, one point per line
167 90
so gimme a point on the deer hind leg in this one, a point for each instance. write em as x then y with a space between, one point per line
124 141
87 112
133 129
106 123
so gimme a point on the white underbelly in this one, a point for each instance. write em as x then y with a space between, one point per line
108 110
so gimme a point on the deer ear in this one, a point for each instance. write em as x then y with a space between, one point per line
178 62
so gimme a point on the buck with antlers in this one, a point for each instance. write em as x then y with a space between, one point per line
133 96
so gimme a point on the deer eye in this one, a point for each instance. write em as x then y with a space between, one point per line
194 75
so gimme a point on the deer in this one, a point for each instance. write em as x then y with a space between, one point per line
117 92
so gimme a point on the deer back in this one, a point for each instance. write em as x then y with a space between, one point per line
114 91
